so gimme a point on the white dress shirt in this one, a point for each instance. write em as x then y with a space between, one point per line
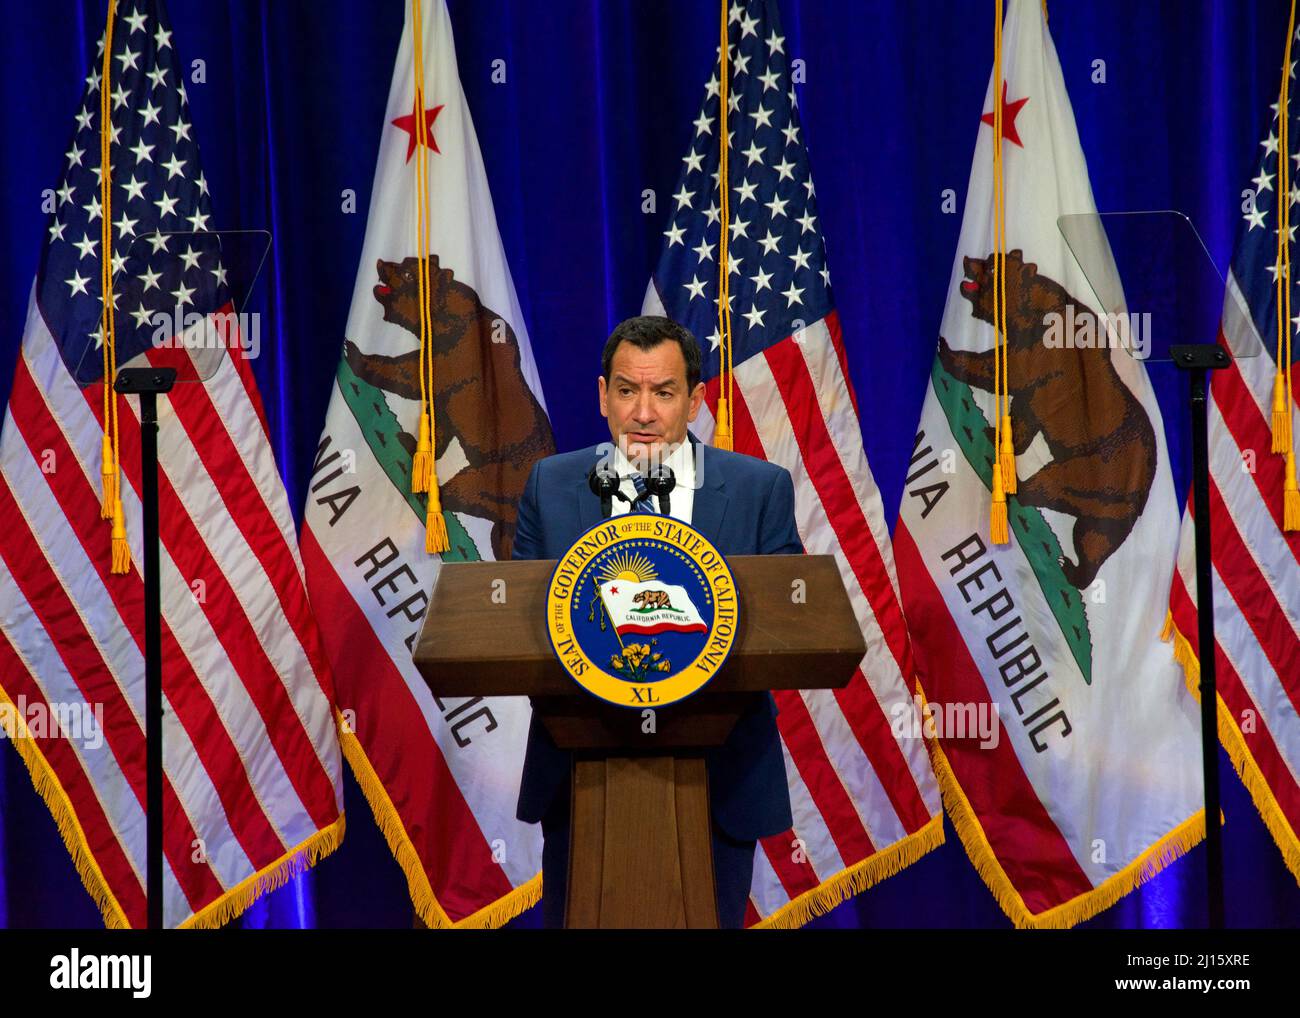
681 500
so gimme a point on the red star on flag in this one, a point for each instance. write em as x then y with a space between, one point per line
407 124
614 590
1009 111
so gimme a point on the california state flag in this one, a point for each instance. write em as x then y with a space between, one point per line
649 608
442 775
1094 781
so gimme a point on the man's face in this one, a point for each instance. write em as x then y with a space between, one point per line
646 400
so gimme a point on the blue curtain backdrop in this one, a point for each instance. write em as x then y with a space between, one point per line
594 110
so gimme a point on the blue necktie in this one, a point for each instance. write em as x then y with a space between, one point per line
644 502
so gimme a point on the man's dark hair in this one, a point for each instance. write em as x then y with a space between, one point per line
646 332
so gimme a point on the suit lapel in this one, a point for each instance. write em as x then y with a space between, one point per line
588 503
710 497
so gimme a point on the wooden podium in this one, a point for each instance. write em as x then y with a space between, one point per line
640 850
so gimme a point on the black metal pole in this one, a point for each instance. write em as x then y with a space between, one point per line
148 382
1206 645
152 656
1198 360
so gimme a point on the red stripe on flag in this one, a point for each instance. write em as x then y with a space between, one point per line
1254 598
102 843
234 630
1024 838
866 718
824 784
244 367
248 509
832 322
826 471
744 438
858 546
1184 612
408 761
1238 701
810 760
86 667
1250 431
858 703
797 877
187 697
861 711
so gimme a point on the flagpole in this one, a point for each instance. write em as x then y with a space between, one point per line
612 623
147 383
1198 359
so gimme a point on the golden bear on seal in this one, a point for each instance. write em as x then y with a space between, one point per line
652 599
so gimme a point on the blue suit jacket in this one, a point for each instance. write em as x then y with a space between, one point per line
744 506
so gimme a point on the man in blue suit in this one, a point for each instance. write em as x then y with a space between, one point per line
649 390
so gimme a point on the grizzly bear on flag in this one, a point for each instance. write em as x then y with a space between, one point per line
1101 440
480 396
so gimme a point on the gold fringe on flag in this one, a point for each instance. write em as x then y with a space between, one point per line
51 790
389 821
225 908
1171 847
1243 761
236 901
856 879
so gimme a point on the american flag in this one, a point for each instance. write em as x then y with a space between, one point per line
865 802
1255 562
251 755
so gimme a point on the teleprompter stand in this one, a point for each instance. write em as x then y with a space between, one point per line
1171 278
147 383
1198 360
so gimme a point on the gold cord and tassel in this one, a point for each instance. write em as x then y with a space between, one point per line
110 455
1283 398
424 471
724 432
107 476
1004 457
1281 413
422 462
999 532
1290 496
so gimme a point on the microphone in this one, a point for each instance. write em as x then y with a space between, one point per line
603 481
660 480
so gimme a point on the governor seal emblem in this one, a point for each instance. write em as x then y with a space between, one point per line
642 610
